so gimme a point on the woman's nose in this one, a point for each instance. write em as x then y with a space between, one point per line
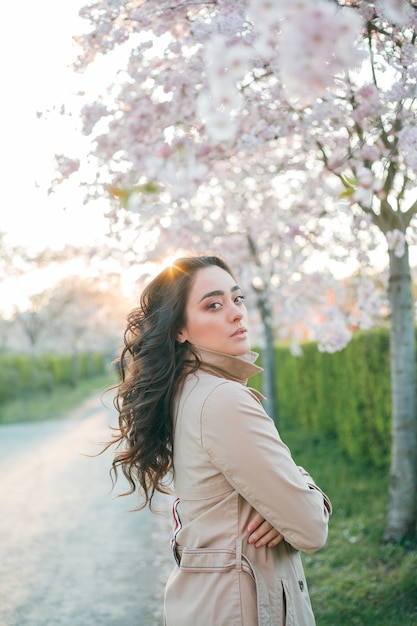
236 313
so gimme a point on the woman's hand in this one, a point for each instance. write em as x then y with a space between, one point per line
262 533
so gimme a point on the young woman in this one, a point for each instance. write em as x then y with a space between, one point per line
244 509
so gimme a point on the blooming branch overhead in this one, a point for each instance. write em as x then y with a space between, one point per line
209 78
287 124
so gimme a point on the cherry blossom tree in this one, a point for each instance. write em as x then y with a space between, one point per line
75 315
284 127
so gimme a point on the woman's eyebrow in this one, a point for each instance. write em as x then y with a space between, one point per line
218 292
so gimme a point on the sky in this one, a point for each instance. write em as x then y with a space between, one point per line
36 48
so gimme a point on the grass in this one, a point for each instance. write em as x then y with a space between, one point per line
42 405
356 579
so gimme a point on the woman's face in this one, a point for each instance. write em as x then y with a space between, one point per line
216 314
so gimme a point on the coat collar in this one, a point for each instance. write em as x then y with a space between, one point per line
238 368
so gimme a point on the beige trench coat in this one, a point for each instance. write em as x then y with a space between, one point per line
229 462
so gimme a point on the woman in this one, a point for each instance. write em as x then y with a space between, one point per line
244 509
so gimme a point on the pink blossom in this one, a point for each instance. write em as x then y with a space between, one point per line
397 92
296 349
368 185
371 304
396 242
66 166
369 103
370 152
407 143
333 335
317 42
238 61
267 12
408 53
218 121
367 10
398 11
91 114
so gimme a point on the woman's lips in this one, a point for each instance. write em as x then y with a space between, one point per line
240 331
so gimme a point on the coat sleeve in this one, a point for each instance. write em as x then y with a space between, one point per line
244 444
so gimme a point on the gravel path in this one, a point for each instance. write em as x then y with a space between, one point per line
71 554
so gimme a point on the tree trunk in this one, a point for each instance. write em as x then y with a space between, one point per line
269 377
401 519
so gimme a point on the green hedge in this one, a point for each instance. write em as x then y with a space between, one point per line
22 375
345 394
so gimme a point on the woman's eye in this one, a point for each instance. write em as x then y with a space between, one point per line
214 305
240 299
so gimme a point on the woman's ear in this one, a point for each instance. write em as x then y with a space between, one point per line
181 338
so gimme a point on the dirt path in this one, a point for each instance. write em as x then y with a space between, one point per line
70 552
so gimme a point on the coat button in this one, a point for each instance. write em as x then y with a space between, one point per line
301 585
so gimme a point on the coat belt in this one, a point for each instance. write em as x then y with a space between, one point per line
219 560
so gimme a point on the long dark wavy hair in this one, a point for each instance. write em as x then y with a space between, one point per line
152 367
